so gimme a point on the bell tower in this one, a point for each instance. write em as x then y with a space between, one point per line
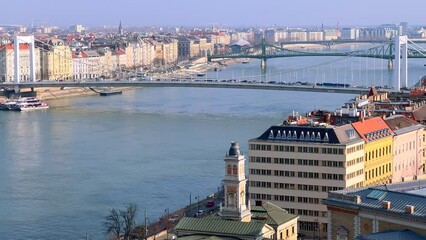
235 186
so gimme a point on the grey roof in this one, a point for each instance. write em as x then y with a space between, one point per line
315 134
240 42
344 132
234 150
399 199
392 235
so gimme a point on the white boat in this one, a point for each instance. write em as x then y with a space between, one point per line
28 103
7 105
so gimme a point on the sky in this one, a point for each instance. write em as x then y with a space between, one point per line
142 13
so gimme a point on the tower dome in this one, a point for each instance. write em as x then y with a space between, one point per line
234 150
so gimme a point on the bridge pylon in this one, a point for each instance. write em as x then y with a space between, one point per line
263 59
401 66
18 40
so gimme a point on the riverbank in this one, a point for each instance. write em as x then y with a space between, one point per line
191 71
55 93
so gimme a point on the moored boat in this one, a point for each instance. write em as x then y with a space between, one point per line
7 105
108 93
28 103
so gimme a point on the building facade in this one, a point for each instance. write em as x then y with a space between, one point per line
356 212
56 61
294 166
7 65
407 148
378 150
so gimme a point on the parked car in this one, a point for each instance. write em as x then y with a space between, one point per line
174 218
210 204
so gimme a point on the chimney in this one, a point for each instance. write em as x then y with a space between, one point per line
409 209
357 199
386 204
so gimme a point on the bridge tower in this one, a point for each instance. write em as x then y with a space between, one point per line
29 40
401 66
263 58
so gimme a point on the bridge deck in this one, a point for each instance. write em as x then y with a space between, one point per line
197 84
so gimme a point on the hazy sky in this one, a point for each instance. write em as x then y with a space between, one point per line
209 12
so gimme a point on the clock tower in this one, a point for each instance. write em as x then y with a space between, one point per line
235 186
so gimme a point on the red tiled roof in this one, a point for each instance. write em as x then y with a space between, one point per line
372 128
11 46
120 52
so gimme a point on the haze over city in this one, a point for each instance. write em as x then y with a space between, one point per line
228 13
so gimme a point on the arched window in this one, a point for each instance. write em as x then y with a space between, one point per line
235 170
229 170
231 199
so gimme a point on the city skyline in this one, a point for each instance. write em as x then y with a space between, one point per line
192 13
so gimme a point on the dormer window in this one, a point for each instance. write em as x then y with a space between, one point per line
302 136
278 134
294 135
326 137
283 136
318 136
271 135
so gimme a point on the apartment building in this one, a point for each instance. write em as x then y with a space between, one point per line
408 148
378 150
56 61
7 67
295 166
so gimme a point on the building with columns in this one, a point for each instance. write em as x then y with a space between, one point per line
354 213
236 219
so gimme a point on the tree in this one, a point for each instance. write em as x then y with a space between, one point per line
113 223
128 215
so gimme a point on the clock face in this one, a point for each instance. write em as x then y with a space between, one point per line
231 189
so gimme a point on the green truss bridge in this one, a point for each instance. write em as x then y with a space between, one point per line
265 51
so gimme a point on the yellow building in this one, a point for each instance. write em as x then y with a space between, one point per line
106 62
56 61
378 150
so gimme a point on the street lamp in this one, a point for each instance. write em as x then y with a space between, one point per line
198 203
167 222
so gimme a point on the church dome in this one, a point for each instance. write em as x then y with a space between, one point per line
234 150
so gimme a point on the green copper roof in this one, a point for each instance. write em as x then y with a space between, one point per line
271 214
220 227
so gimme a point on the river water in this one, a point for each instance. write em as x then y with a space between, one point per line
61 170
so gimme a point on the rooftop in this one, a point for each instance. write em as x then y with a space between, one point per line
310 133
399 195
392 235
372 129
220 227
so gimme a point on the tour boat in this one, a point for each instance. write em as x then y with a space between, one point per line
28 103
7 105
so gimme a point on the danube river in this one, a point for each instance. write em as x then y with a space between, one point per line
61 170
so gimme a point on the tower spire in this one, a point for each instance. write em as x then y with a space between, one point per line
120 29
235 186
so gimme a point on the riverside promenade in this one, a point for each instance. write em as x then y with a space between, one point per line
164 227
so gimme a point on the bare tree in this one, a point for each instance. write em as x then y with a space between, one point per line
128 215
113 223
